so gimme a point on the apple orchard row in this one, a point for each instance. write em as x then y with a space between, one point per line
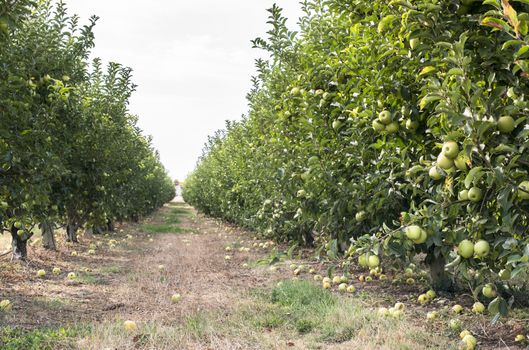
71 155
391 130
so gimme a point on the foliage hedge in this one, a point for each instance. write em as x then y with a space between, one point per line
70 151
340 148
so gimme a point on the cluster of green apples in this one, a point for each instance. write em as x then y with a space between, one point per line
467 249
385 123
449 159
396 311
342 283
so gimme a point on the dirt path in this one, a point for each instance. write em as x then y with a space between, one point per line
229 300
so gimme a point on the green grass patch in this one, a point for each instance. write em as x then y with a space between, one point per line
171 221
86 278
39 339
111 269
303 308
50 303
162 228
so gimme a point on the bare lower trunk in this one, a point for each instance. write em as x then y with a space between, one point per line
110 226
19 245
71 233
440 278
48 237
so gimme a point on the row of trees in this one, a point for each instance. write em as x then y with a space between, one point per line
70 152
387 127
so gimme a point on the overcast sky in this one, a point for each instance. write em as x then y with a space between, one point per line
192 62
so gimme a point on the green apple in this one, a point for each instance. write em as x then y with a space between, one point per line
326 285
505 274
488 291
399 306
422 239
431 294
457 309
336 280
385 117
431 315
478 308
475 194
41 273
301 194
369 278
412 125
520 338
130 326
395 313
17 224
463 195
455 324
344 279
414 42
523 190
444 162
464 333
413 232
56 271
383 311
469 342
450 149
392 127
373 261
175 298
465 249
461 163
351 289
434 173
362 260
295 91
326 280
378 126
423 299
72 275
410 281
342 287
337 124
481 248
360 216
318 277
506 124
5 305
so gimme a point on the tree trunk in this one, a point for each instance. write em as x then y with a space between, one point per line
440 278
110 226
48 237
71 233
19 245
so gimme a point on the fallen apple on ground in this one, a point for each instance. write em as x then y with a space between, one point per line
130 326
176 298
5 305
